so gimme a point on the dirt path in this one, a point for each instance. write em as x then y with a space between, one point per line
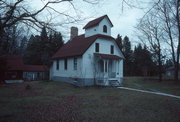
151 92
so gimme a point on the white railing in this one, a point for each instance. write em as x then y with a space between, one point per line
106 75
112 74
106 78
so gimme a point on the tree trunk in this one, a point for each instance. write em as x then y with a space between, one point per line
160 68
176 72
178 49
177 62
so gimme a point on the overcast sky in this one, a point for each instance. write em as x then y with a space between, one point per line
123 21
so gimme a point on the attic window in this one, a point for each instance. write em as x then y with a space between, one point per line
105 28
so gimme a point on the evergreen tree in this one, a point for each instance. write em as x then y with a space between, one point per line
44 47
44 36
128 53
33 51
143 64
41 48
119 41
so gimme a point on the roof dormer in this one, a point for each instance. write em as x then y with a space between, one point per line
101 25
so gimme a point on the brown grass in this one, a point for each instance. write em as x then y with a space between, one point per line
55 101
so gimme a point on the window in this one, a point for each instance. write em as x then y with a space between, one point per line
112 49
75 63
65 64
105 28
97 47
57 65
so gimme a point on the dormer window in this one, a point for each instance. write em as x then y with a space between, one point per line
105 28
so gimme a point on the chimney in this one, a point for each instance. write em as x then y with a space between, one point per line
74 32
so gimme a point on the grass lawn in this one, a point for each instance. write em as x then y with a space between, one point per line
56 102
152 84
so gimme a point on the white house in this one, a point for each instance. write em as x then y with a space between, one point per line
93 58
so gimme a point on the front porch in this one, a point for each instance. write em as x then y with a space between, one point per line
107 70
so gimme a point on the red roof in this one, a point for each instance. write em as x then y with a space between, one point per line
96 22
15 62
107 56
77 46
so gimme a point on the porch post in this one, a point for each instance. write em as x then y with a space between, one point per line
108 67
116 66
104 66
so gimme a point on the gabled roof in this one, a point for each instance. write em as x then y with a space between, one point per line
77 46
96 22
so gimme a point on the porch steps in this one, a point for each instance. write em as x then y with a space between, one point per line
114 82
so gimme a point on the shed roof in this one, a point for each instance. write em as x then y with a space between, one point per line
15 62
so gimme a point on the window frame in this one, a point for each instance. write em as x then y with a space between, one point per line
65 64
57 64
97 45
75 63
104 28
112 49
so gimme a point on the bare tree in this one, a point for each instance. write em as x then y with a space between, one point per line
150 33
167 15
178 46
10 42
18 11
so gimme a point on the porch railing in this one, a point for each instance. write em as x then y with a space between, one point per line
112 75
105 75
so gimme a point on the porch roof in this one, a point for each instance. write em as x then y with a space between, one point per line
108 56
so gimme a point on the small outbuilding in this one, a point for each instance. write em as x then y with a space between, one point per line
17 71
